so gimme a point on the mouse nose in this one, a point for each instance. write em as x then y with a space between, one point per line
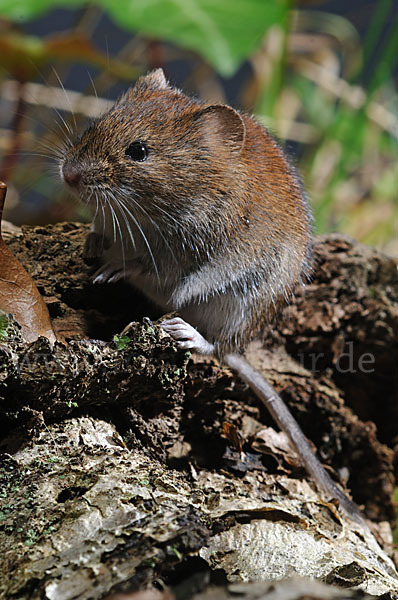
71 174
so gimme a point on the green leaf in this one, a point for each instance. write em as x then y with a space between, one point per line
375 29
223 32
387 61
121 341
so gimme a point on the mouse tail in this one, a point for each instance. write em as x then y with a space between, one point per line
287 423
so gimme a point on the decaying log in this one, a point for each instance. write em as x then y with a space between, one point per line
125 463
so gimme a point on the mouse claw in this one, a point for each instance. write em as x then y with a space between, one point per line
114 272
186 336
104 274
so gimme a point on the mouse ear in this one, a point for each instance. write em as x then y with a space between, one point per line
155 79
221 122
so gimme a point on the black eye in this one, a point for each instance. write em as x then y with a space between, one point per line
137 151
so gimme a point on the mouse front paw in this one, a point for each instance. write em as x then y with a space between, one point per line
94 247
186 336
114 272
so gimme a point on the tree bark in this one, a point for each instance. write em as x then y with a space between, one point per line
126 464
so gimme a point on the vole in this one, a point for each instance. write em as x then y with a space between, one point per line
198 207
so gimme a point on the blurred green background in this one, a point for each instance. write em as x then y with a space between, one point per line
321 75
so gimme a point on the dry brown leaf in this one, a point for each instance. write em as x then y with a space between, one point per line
233 436
269 441
18 293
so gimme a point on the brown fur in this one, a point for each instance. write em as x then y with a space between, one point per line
216 195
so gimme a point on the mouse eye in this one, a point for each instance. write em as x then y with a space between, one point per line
137 151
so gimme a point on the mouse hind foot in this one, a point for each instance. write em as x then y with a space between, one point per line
186 336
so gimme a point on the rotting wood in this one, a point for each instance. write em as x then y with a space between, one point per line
140 479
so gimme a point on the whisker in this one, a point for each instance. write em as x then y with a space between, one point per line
68 130
121 202
56 150
45 125
130 198
128 226
92 83
113 222
96 205
115 218
67 99
102 203
41 154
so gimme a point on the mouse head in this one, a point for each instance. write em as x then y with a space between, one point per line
156 147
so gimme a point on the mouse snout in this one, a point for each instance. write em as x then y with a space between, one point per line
71 174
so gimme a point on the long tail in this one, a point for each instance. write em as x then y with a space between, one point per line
283 417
